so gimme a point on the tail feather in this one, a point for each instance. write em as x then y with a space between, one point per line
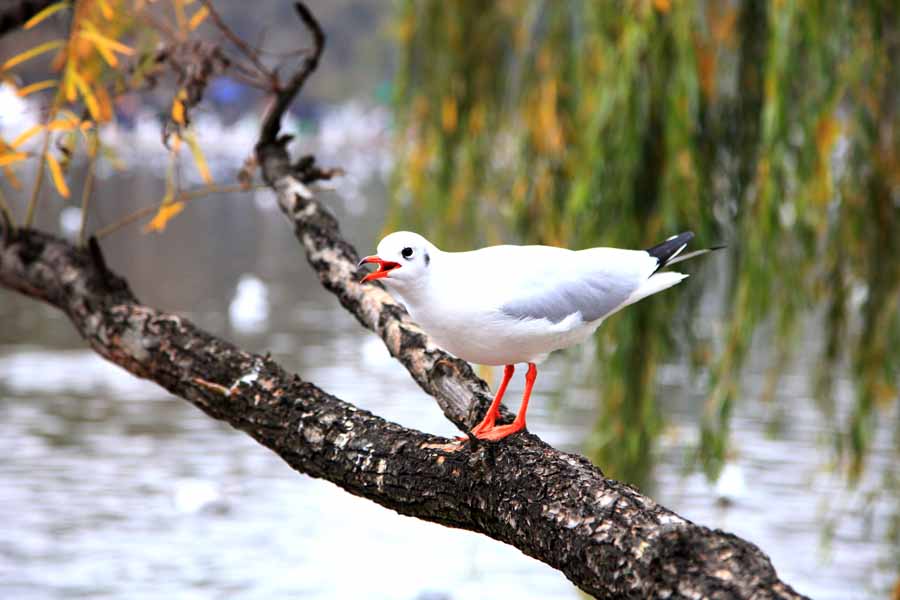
670 248
693 254
669 252
655 284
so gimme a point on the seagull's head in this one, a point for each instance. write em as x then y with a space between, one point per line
403 258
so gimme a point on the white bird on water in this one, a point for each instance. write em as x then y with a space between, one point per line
504 305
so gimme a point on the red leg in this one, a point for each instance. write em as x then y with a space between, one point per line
491 416
498 433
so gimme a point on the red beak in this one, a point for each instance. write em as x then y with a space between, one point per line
384 267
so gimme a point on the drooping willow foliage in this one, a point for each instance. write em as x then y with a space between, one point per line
771 126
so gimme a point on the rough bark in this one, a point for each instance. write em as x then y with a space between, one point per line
608 539
604 535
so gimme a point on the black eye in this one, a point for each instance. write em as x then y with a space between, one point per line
407 253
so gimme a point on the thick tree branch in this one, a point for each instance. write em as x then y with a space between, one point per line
604 535
692 563
461 395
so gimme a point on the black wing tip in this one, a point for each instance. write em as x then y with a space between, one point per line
667 249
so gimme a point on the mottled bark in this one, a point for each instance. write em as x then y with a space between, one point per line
461 395
605 536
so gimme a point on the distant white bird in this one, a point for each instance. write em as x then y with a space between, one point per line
196 495
248 311
512 304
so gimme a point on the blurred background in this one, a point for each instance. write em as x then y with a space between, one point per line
759 397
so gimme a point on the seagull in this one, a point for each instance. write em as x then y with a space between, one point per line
505 305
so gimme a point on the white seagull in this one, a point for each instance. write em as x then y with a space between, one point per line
504 305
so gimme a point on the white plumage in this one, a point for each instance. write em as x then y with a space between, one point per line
504 305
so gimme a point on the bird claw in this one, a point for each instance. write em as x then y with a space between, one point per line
492 434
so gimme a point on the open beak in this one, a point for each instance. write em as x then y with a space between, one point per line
384 267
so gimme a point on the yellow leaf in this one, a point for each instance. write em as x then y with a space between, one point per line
449 114
62 125
29 54
26 135
827 130
163 215
57 175
11 178
198 18
69 86
107 55
101 40
106 107
50 10
59 60
199 159
106 10
36 87
12 157
90 100
178 107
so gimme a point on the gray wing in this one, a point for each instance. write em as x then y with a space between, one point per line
594 295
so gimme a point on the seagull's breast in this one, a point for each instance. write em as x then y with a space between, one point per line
492 337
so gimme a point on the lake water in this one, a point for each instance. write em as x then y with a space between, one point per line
112 488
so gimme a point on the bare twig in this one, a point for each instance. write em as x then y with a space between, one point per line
272 122
93 147
39 177
142 213
251 54
6 212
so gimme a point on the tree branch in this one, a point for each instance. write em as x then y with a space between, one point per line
604 535
462 396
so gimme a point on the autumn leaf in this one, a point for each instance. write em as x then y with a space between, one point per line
108 13
44 14
105 102
56 175
99 39
11 178
36 87
26 135
29 54
198 18
90 100
12 157
199 159
163 215
178 107
449 114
